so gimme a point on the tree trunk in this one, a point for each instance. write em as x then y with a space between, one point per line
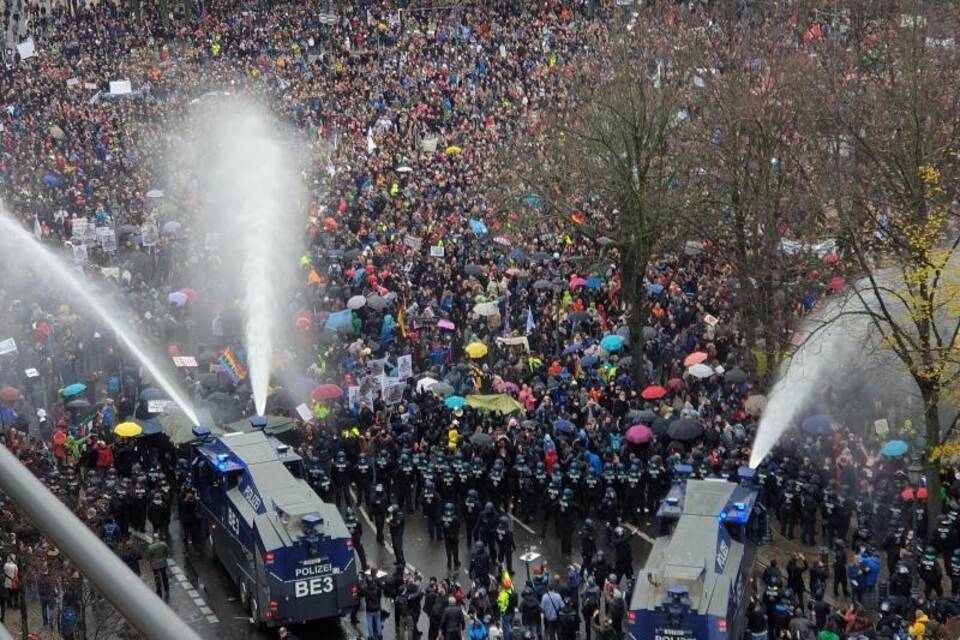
931 400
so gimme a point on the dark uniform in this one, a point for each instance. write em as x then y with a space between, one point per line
395 520
378 509
505 544
451 535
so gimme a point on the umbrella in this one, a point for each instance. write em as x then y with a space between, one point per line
476 350
684 429
837 282
604 241
573 348
446 325
473 269
539 256
339 320
454 402
377 302
588 361
675 384
626 362
735 376
693 248
507 387
659 426
563 426
700 371
578 282
594 282
653 392
151 393
356 302
649 333
486 309
755 404
73 389
155 193
481 439
326 392
894 449
542 284
127 430
9 394
579 316
817 425
639 434
612 342
172 227
281 400
190 293
178 298
517 254
654 288
645 416
442 389
78 404
694 358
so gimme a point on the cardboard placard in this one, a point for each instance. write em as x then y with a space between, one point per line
405 366
711 320
413 242
31 373
111 272
436 251
304 412
184 361
882 427
157 406
120 87
27 48
7 346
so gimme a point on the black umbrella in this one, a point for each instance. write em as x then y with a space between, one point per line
646 416
659 426
735 376
539 256
482 439
79 403
579 316
542 284
473 269
350 254
684 429
529 424
649 333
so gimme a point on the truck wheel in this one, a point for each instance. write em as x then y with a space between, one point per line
245 599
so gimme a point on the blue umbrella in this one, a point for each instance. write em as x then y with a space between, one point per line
7 415
454 402
594 282
517 254
340 319
576 346
150 427
817 425
894 449
51 180
612 342
563 426
74 389
335 254
654 288
589 361
151 393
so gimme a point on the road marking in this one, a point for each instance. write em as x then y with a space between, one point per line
373 527
213 619
522 524
205 610
200 603
637 532
193 593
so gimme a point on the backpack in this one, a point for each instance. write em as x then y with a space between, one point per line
512 601
569 621
591 602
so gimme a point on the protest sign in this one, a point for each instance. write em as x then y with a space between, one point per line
151 234
7 346
405 366
79 253
27 48
413 242
353 396
73 82
393 391
111 272
304 412
157 406
184 361
31 373
436 252
120 87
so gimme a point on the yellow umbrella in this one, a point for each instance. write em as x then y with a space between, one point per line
476 350
127 430
453 150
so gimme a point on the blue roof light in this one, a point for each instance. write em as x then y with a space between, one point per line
258 422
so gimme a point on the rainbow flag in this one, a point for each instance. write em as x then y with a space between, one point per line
232 366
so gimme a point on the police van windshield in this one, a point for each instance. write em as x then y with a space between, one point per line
295 467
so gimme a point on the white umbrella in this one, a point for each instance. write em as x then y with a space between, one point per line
425 384
356 302
404 169
486 309
155 193
700 371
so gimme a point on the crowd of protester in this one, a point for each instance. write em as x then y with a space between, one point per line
404 111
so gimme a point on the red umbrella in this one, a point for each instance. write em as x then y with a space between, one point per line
694 358
9 394
190 293
837 282
675 384
639 434
326 392
653 392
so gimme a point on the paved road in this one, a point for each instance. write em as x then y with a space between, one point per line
203 594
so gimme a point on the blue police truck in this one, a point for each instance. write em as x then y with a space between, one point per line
694 584
289 552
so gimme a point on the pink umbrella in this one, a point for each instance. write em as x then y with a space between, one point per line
675 384
446 324
507 387
694 358
190 293
837 282
577 282
512 271
831 258
639 434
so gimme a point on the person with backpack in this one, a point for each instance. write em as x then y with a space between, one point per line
614 604
568 621
550 604
530 611
371 592
589 603
476 630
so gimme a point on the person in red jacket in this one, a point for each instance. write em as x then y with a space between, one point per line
104 455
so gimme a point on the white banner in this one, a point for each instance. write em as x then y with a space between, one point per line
304 412
27 48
